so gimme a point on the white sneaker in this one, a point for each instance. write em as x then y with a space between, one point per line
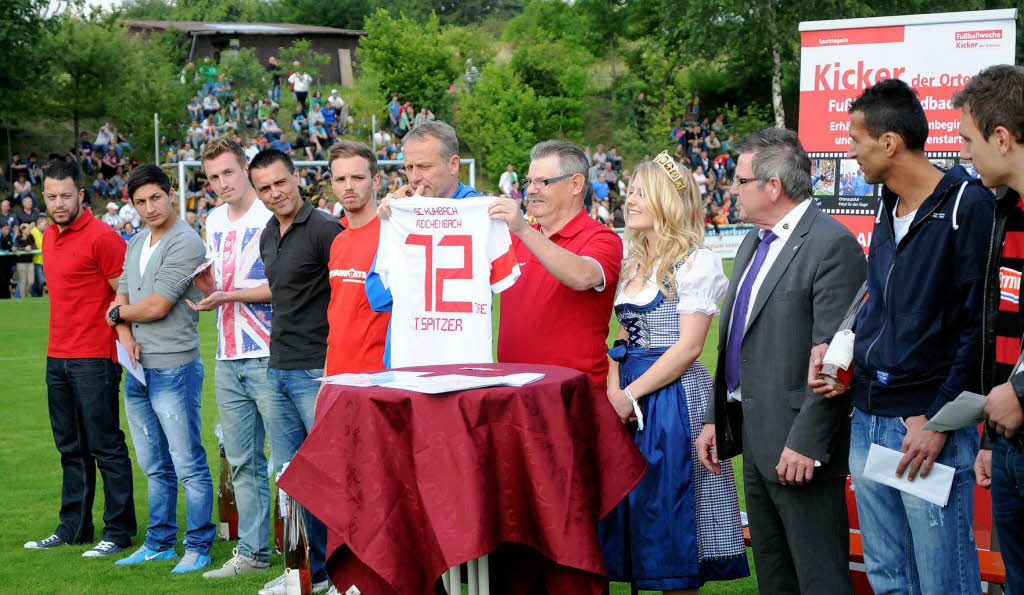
277 581
278 586
238 564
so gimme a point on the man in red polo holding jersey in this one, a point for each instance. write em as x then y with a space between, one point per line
558 311
84 257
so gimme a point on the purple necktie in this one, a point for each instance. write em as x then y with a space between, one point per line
738 323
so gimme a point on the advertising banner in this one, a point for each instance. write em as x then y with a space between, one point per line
935 53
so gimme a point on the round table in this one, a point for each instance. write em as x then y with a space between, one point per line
410 484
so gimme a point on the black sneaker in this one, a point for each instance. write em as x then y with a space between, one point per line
51 541
103 548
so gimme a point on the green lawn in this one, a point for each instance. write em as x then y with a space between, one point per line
30 468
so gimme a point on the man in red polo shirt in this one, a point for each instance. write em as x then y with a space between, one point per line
83 263
558 311
357 335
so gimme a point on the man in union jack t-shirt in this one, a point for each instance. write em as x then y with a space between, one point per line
236 286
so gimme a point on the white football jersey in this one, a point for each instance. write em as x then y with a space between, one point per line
442 258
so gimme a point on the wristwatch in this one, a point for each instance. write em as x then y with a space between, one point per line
115 314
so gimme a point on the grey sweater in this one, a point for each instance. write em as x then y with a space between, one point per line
174 339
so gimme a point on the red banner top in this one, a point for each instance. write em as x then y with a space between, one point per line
838 37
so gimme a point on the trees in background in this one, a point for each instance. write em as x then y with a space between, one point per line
613 71
408 57
96 70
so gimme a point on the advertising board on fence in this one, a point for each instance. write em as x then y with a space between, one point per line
935 53
723 243
727 240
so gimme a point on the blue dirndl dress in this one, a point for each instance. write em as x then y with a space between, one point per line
680 527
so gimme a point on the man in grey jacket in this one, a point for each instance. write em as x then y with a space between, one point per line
159 331
794 277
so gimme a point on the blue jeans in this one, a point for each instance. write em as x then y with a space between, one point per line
166 429
1008 510
243 396
40 281
910 545
289 420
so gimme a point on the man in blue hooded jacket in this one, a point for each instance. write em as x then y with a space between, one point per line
917 346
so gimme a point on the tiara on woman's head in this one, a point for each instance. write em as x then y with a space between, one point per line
668 164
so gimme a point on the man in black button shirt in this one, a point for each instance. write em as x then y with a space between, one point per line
296 248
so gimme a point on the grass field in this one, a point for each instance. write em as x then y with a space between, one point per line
30 468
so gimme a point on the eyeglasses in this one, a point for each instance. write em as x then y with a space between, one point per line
741 181
542 182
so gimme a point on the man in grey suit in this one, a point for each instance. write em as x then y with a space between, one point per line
794 278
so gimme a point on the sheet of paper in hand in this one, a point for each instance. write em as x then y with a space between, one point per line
968 409
881 467
125 360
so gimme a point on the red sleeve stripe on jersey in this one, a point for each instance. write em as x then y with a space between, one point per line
504 271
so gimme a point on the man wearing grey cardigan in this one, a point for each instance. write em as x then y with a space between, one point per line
159 331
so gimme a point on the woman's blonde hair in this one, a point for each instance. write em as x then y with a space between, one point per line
678 224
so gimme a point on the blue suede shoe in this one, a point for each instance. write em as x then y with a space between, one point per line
191 562
144 554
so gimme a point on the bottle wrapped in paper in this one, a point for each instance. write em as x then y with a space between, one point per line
835 366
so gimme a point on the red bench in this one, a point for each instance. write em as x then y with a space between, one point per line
992 569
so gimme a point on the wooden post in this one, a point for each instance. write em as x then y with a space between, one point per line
345 68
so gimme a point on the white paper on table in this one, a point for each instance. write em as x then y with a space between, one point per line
382 378
347 379
447 383
377 379
521 379
881 467
968 409
125 360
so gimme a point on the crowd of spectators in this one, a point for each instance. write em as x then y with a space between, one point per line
703 145
21 237
256 120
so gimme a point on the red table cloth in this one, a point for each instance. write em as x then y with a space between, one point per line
411 484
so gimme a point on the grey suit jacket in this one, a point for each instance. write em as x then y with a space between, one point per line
799 305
